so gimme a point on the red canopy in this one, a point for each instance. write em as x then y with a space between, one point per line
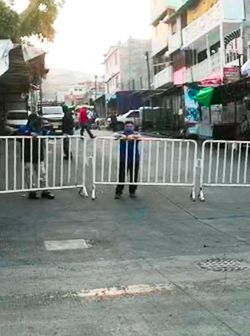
212 80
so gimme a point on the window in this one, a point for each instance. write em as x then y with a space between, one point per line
18 115
52 110
184 20
214 48
202 55
134 114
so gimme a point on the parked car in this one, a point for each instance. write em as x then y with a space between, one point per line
54 116
131 115
16 118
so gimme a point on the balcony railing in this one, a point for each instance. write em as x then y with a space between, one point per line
222 11
163 77
202 25
201 70
209 66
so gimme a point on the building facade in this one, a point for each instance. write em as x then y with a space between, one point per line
161 10
197 42
203 41
126 66
84 93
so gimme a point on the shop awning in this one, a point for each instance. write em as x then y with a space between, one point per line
5 47
245 69
20 67
209 96
212 81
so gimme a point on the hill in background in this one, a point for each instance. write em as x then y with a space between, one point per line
59 81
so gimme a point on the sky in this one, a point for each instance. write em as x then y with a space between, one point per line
86 28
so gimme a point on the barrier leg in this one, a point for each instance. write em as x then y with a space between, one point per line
93 194
193 194
83 192
201 195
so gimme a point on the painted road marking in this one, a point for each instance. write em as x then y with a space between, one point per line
131 290
60 245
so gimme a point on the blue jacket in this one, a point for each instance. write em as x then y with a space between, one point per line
27 130
131 147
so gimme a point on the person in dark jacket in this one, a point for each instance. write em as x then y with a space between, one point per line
34 156
129 158
68 129
113 123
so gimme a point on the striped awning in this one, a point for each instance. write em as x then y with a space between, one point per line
232 36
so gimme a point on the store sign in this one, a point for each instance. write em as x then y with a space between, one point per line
192 113
231 75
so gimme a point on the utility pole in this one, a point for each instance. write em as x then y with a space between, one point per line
96 77
149 77
148 69
40 111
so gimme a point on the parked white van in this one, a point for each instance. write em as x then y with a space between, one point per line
131 115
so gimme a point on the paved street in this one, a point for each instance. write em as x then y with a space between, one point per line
157 240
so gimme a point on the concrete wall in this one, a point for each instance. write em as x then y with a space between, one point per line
133 64
246 31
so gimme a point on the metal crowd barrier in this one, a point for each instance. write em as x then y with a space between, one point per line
159 162
48 171
162 162
224 164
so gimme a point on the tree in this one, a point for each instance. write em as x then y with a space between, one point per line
9 22
37 19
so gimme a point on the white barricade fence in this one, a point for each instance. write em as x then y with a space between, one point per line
38 163
224 164
145 162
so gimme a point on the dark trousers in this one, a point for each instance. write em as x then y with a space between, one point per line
87 128
133 172
113 127
66 144
66 147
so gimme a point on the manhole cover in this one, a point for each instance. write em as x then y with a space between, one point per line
223 265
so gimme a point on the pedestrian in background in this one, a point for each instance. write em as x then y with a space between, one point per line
68 129
129 157
85 122
244 125
33 160
113 123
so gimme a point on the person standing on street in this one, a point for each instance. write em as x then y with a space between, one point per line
68 129
33 160
129 158
113 123
84 122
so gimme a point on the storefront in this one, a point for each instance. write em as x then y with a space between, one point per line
217 112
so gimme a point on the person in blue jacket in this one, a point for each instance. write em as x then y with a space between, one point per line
32 159
129 158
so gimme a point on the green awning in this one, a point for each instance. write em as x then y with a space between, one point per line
209 96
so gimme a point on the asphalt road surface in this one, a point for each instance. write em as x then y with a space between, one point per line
156 265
